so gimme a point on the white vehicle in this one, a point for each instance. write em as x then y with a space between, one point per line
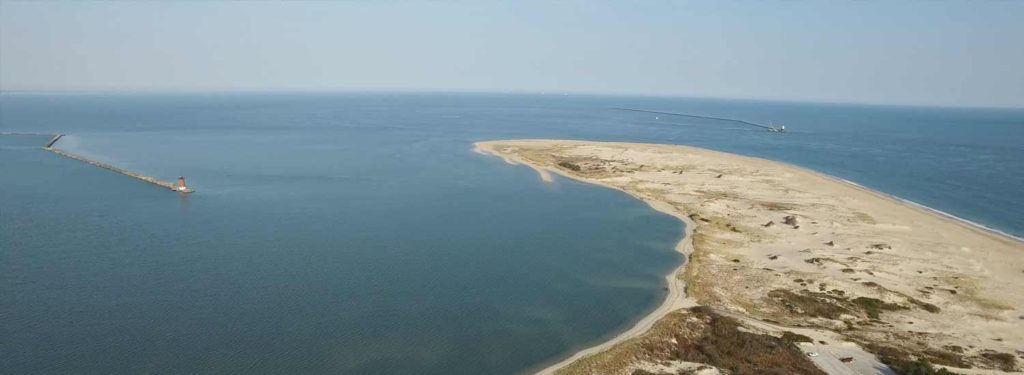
812 354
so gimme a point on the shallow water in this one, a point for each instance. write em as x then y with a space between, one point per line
358 233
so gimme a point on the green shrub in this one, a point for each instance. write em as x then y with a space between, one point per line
899 361
920 367
812 304
1005 361
569 166
795 337
873 306
727 347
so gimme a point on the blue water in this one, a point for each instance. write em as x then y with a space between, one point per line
358 233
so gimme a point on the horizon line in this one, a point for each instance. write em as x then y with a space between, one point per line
503 92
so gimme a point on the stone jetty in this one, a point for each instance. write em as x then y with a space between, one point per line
153 180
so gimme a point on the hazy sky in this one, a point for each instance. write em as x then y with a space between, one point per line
894 52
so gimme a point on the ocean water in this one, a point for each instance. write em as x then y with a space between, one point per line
358 233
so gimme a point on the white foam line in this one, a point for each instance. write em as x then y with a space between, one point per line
929 209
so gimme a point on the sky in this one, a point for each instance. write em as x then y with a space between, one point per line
946 53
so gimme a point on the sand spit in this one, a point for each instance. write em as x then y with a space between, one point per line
780 248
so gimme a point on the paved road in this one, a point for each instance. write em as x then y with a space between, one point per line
829 354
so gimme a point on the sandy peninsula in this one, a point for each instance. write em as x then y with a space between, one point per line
784 261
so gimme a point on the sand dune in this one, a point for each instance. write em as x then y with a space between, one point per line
778 246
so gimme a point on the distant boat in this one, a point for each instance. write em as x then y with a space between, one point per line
770 128
776 129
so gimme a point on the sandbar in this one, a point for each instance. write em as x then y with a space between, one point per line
784 248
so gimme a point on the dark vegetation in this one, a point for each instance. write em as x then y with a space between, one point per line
569 166
813 304
1002 361
795 337
924 305
703 336
833 304
873 306
726 347
904 363
777 206
919 367
900 361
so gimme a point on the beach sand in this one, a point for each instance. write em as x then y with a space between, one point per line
782 248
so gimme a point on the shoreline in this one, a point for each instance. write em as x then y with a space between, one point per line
943 214
676 298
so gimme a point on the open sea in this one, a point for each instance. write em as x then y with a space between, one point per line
358 233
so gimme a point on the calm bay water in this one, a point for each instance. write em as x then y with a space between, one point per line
358 233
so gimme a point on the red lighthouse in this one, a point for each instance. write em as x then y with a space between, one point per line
181 184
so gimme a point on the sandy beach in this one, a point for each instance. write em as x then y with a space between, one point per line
780 249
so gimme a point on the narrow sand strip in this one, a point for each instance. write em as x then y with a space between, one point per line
771 242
